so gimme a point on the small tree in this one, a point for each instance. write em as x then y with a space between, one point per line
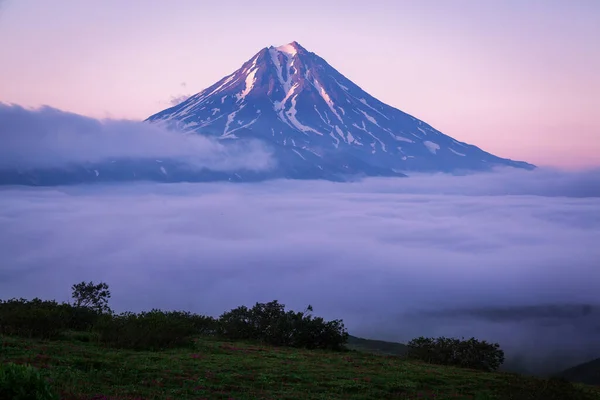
95 297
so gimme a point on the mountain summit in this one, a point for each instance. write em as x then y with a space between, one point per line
318 123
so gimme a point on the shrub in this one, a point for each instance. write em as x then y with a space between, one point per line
34 319
470 353
270 323
154 330
46 319
43 319
203 325
79 318
23 382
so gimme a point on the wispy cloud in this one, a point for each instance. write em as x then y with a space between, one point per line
385 255
48 137
175 100
180 98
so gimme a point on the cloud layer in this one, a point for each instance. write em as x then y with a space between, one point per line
394 258
47 137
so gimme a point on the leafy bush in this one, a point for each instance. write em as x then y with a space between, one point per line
23 382
154 330
36 318
203 325
271 324
43 319
47 319
79 318
470 353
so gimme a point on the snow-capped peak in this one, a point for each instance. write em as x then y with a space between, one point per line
319 120
290 49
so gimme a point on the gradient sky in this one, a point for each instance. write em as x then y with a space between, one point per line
517 78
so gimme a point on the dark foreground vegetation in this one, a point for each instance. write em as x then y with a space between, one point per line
82 350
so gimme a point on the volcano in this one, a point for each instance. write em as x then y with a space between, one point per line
318 123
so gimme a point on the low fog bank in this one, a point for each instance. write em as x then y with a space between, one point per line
538 339
48 138
394 258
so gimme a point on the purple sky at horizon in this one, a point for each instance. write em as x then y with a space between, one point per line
516 78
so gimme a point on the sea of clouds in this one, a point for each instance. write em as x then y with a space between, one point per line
49 138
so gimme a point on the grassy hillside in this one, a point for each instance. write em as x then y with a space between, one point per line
376 346
215 369
588 372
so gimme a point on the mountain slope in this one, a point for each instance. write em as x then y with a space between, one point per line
318 122
588 373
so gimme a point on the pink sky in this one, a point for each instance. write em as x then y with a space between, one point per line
517 78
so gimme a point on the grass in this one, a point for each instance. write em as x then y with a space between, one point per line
215 369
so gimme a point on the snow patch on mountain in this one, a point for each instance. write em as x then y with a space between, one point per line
369 118
327 99
456 152
288 49
432 147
